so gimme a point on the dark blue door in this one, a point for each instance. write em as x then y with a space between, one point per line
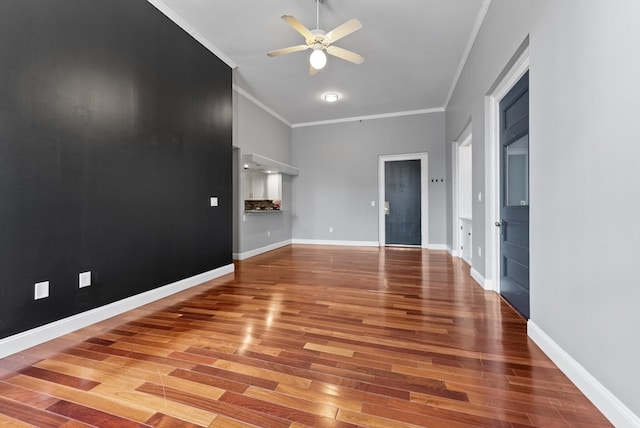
403 195
514 199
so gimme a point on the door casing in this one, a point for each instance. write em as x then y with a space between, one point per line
492 167
424 193
464 139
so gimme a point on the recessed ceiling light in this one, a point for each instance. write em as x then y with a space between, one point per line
331 97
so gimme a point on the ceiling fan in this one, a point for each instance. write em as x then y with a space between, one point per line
321 41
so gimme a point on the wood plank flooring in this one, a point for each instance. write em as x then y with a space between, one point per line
303 336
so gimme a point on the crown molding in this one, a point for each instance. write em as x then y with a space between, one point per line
260 104
370 117
169 13
467 51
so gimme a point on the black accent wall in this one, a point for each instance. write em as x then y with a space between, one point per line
115 130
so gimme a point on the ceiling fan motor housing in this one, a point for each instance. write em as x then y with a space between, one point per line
318 38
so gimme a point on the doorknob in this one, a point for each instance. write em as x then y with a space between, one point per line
386 207
498 224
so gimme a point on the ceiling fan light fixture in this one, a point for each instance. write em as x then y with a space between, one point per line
331 97
318 59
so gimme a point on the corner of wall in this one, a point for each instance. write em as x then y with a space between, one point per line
612 408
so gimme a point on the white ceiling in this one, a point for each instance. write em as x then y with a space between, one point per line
413 52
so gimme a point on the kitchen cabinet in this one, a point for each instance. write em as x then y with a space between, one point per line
262 183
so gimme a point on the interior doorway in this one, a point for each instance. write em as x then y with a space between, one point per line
462 196
403 220
514 196
493 150
402 203
464 183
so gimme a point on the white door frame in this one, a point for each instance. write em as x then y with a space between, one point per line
463 139
492 169
424 193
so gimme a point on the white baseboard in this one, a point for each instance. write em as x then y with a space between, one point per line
251 253
486 284
341 243
437 247
491 285
478 278
610 406
27 339
452 252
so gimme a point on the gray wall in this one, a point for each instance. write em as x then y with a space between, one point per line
257 131
584 172
339 174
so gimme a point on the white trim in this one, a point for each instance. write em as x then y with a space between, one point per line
437 247
451 252
491 285
465 138
455 215
340 243
27 339
477 277
610 406
258 103
467 51
169 13
373 116
486 284
492 166
257 251
424 193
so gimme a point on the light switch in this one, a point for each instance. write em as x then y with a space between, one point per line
214 201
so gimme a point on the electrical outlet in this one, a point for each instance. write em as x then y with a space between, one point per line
479 251
268 233
84 279
330 229
214 201
41 290
373 203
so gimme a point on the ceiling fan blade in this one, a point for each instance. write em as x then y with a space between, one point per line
288 50
313 71
343 30
306 33
345 54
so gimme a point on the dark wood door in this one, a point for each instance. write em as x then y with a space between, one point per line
514 200
403 195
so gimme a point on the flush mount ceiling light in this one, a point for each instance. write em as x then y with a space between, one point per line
331 97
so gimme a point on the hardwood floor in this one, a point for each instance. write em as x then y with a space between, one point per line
303 336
